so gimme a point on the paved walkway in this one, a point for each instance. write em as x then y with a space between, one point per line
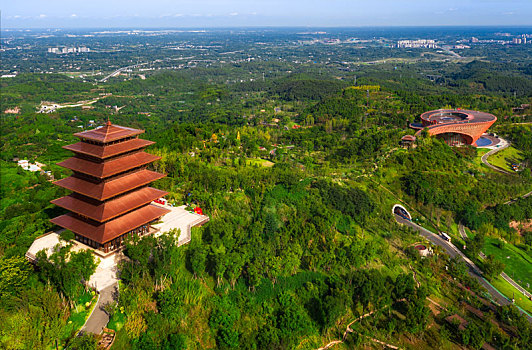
105 281
99 318
516 285
504 144
512 201
453 252
503 275
179 218
510 280
461 229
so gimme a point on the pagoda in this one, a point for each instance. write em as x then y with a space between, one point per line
111 196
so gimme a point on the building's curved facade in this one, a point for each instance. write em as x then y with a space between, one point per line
456 126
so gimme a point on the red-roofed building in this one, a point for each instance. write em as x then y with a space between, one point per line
111 198
456 127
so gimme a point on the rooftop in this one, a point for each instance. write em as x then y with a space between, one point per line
109 168
112 208
100 151
110 188
445 116
108 133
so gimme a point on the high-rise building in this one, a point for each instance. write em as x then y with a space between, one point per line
111 196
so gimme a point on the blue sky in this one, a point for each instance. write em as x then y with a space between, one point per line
223 13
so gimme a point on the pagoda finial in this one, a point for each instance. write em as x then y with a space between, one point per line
108 121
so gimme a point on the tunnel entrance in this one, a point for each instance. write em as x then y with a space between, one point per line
401 211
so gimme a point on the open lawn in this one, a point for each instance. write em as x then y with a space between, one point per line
510 292
480 153
505 158
518 263
259 162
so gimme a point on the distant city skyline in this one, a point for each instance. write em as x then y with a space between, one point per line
234 13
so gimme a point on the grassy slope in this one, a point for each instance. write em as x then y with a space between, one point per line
504 159
518 265
509 291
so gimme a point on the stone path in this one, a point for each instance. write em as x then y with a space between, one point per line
99 318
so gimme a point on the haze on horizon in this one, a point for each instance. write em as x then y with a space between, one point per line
235 13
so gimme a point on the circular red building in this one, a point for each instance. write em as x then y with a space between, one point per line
456 126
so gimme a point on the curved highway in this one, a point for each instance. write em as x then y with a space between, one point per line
452 251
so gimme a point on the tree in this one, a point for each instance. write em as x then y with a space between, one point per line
292 320
473 336
67 270
492 267
14 273
67 235
198 260
85 341
476 244
234 267
417 315
175 341
404 286
223 318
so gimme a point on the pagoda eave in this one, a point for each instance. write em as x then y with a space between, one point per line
109 189
102 152
109 168
108 133
105 232
112 208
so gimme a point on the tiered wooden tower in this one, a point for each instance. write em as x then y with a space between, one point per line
111 197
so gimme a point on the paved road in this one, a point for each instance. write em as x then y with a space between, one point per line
116 72
510 280
99 318
523 196
452 251
484 159
461 229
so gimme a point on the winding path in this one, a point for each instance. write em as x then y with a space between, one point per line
484 159
349 330
512 201
461 229
453 252
98 319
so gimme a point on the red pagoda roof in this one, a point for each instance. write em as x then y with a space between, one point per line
111 188
109 168
109 230
110 209
100 151
108 133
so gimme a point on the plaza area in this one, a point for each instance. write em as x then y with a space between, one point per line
106 272
181 219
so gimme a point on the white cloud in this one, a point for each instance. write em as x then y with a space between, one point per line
233 14
73 15
42 16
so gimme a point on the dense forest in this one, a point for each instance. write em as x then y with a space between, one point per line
298 174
